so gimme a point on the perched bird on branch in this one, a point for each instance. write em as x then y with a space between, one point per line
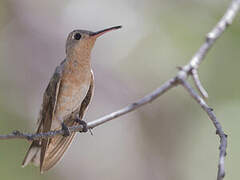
65 100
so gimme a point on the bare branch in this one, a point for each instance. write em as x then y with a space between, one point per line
220 132
213 35
147 99
189 69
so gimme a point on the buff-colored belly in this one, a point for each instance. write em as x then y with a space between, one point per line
72 92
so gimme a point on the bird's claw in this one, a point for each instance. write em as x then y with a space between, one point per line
66 130
83 123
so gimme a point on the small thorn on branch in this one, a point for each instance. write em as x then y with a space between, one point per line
211 109
90 130
29 138
16 133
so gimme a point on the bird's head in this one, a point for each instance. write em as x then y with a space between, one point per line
84 40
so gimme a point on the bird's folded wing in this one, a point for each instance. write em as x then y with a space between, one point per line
48 107
59 144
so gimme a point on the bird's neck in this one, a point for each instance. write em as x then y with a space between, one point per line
80 58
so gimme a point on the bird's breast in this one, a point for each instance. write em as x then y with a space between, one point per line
73 89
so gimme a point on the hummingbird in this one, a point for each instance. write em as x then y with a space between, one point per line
65 99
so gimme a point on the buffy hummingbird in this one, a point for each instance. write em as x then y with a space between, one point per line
65 99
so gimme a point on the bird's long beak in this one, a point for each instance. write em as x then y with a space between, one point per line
99 33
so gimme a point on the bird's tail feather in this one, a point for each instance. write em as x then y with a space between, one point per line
55 151
33 154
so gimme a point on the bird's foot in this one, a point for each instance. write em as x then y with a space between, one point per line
66 130
83 123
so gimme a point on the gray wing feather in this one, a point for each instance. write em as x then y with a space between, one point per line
45 117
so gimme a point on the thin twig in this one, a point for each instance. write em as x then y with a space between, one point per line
198 84
147 99
189 69
220 132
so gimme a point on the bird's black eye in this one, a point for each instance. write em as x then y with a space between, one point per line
77 36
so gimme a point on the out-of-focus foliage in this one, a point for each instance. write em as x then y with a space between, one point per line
169 139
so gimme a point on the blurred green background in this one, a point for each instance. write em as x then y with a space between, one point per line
169 139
